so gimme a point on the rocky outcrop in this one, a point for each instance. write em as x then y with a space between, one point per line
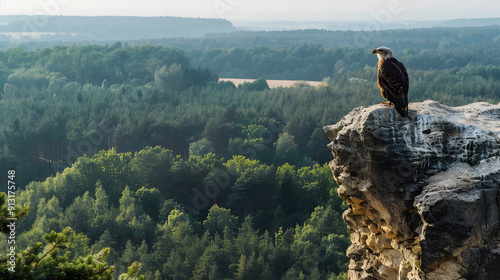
423 192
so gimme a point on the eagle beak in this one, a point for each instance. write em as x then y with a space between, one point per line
375 51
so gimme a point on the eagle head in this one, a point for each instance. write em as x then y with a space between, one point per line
383 53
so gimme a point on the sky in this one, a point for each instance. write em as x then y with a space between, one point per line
283 10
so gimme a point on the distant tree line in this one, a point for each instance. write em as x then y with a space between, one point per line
314 62
438 38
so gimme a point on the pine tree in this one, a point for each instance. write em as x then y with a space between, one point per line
35 262
158 275
132 272
32 262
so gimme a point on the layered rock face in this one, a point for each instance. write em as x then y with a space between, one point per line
423 192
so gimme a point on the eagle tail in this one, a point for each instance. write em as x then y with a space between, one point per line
401 106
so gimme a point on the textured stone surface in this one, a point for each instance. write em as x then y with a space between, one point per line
423 192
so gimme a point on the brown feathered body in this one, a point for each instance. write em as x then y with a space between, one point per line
393 82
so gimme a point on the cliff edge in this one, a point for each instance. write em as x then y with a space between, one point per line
423 192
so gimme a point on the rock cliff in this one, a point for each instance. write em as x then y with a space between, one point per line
423 192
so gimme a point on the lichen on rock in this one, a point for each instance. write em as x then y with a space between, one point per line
423 191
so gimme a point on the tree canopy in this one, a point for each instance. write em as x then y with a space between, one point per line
140 149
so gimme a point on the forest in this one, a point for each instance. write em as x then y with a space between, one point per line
133 156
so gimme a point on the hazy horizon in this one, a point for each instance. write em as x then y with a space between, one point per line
260 10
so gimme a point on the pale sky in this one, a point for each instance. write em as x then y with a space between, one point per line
303 10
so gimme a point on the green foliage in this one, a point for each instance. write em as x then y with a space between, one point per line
201 147
138 151
286 149
7 211
151 167
78 245
132 220
132 273
164 237
150 201
218 219
258 85
33 263
49 262
170 78
253 187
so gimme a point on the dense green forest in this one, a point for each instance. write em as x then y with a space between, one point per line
140 149
159 209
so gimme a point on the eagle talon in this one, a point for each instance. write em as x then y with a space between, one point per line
386 103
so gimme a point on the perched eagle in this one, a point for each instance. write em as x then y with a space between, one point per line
392 80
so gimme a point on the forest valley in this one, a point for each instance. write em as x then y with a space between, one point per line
135 156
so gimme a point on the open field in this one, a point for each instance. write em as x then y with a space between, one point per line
271 83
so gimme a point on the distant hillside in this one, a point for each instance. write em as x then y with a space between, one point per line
106 28
457 38
472 22
256 25
400 39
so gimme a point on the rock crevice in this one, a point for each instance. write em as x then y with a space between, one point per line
423 191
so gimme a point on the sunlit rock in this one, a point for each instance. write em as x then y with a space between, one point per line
423 191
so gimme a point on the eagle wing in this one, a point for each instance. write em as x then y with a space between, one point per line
393 79
405 76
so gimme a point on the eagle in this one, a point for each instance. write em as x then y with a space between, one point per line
393 80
